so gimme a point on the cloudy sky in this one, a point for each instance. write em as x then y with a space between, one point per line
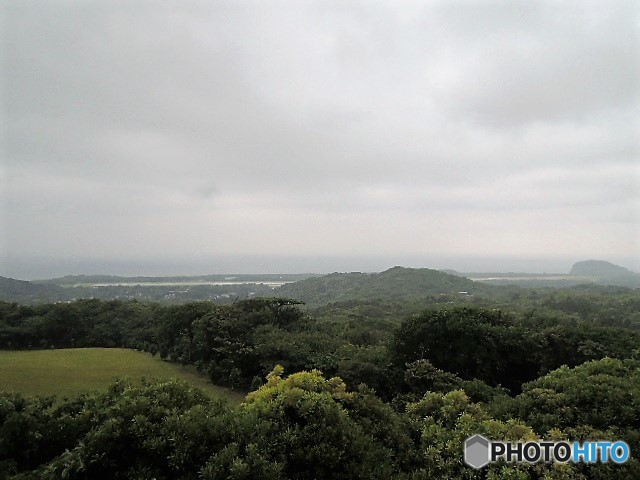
199 137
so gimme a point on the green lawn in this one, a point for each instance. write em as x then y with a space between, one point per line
66 372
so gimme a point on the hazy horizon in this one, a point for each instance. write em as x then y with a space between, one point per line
202 137
53 268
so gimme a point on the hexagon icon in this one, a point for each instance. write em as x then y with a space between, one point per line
476 451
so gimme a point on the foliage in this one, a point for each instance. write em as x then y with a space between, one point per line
499 348
600 394
394 284
160 430
593 401
445 421
404 385
302 426
309 430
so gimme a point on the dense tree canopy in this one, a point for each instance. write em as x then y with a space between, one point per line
501 349
396 399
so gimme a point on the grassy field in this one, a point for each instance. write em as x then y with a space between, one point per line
66 372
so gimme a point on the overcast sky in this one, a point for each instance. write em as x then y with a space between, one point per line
194 137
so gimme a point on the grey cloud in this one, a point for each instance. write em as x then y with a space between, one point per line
148 115
544 61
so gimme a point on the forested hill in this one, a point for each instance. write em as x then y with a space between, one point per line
606 273
19 291
599 268
397 283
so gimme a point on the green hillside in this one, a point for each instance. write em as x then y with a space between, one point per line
606 273
597 268
395 284
12 290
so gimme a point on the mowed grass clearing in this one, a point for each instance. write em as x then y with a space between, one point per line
67 372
